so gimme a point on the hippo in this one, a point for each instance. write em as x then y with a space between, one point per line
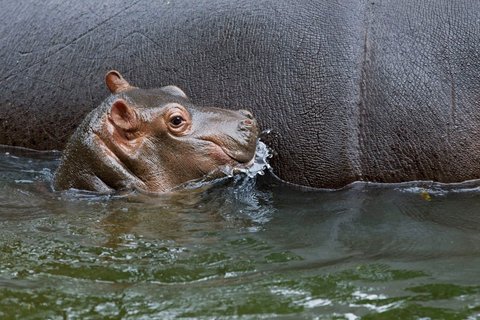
153 140
383 90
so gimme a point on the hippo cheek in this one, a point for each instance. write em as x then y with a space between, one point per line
217 156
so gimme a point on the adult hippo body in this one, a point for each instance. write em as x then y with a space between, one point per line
383 90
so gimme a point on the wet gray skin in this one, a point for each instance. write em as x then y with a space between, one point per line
153 140
380 91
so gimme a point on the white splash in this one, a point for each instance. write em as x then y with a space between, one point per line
260 163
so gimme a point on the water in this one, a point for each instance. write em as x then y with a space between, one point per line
240 248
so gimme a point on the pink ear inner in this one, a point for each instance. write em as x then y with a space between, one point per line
123 116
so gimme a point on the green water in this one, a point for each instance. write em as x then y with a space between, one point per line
240 249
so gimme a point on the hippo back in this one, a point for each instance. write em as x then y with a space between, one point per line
383 91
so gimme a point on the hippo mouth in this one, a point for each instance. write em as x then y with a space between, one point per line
244 155
243 158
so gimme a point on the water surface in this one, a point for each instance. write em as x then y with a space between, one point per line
242 248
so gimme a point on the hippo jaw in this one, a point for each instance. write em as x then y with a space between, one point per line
237 153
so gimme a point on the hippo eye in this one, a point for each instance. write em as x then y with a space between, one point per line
176 121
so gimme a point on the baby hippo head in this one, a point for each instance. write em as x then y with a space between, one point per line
153 140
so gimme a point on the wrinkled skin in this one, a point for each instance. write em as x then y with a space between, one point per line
153 140
381 90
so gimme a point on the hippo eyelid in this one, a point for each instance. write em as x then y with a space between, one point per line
177 119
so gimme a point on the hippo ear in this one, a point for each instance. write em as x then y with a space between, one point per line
115 82
124 116
175 91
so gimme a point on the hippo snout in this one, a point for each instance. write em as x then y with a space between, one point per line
248 129
248 123
240 133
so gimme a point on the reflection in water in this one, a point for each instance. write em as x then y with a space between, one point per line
238 246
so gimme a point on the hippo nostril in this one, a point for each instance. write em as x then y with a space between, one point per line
246 113
247 122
